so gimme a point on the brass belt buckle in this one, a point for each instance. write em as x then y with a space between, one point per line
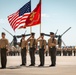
51 47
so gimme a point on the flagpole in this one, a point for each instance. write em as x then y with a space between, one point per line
40 28
30 26
40 16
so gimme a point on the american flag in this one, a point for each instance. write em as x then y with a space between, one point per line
19 18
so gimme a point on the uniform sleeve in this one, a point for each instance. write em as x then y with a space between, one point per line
48 42
26 43
28 40
0 43
35 41
55 42
7 42
38 40
45 44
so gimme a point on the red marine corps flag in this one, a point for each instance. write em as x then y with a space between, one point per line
35 16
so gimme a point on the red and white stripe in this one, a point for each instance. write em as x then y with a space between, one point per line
15 20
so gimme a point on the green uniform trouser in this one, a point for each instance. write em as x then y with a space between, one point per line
53 55
69 53
59 53
74 53
23 56
64 53
32 55
3 57
41 55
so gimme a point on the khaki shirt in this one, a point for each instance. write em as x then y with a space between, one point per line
52 44
42 42
74 49
24 43
64 49
3 43
69 49
33 42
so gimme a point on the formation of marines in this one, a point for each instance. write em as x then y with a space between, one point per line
66 51
33 44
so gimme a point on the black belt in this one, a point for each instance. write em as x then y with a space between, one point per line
23 47
3 48
41 48
32 47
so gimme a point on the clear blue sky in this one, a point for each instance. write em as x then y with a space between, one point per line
56 14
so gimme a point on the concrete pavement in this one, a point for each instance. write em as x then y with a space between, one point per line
66 65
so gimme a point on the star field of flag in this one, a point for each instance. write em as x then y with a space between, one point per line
18 18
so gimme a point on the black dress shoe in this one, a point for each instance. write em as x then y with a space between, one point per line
32 65
22 65
3 68
40 65
52 65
